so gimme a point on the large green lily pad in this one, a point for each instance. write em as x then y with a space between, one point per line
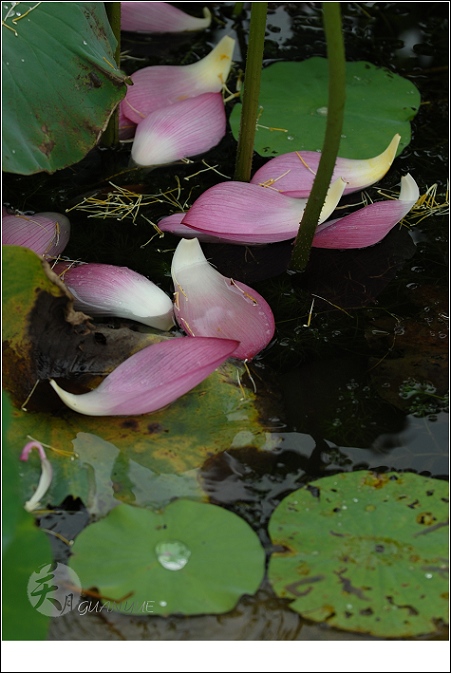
60 82
190 558
294 97
365 552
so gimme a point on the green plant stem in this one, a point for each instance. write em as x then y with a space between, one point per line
251 91
335 113
237 10
110 136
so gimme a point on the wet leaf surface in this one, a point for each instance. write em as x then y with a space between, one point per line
379 104
189 558
52 122
365 552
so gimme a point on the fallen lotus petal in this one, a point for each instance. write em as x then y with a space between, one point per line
46 474
370 224
208 304
181 130
172 224
107 290
45 233
127 128
152 378
293 173
248 214
161 85
159 17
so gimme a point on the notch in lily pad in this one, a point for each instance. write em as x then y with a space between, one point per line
190 558
365 552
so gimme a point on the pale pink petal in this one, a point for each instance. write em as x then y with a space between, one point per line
160 17
243 213
368 225
46 474
45 233
209 304
107 290
161 85
293 173
181 130
152 378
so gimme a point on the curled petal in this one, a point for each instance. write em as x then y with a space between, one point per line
160 17
172 224
152 378
45 478
107 290
181 130
161 85
208 304
248 214
45 233
293 173
370 224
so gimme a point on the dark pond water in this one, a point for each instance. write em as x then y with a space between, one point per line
357 380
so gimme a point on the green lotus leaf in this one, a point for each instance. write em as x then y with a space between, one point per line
294 98
190 558
60 83
365 552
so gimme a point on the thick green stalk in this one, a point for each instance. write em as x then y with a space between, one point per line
251 91
335 111
110 136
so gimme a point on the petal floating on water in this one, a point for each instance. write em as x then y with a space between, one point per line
209 304
152 378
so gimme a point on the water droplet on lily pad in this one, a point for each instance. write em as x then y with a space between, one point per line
172 555
322 111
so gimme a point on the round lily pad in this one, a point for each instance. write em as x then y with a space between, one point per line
294 98
190 558
365 552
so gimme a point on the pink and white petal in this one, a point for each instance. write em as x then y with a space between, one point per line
108 290
368 225
46 474
126 126
248 214
158 86
181 130
152 378
209 304
293 173
45 233
160 17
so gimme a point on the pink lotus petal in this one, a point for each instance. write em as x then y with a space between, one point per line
208 304
45 233
161 85
293 173
152 378
368 225
107 290
46 474
243 213
181 130
159 17
127 128
172 224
